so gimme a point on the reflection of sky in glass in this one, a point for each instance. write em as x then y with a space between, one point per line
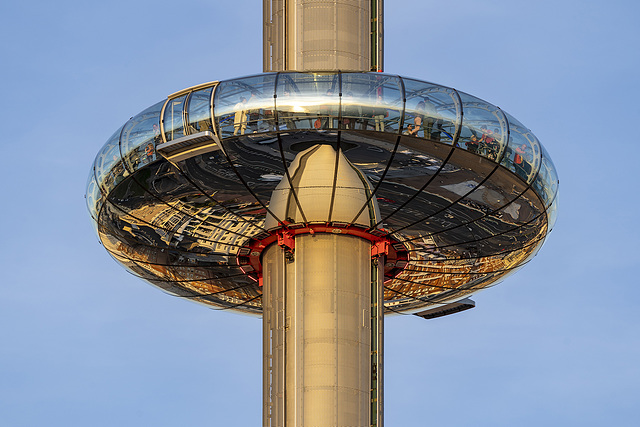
93 196
173 126
199 105
306 104
108 157
552 211
307 94
140 129
546 181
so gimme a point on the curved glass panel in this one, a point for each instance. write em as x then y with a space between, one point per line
484 128
206 228
552 212
109 167
199 111
437 206
523 151
533 247
93 196
308 100
371 102
431 111
546 183
140 136
131 266
245 106
94 199
209 187
173 118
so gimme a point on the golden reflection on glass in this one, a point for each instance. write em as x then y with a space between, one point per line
469 206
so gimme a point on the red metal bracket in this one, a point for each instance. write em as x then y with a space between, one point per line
380 247
286 239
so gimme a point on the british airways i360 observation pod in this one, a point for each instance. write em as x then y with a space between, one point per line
455 191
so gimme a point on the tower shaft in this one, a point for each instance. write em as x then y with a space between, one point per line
312 35
318 333
322 301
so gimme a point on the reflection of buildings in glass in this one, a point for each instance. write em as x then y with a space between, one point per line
229 233
198 277
480 211
433 271
212 229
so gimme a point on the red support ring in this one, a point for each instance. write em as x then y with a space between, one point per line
249 256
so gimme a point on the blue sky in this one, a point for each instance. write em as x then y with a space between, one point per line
83 343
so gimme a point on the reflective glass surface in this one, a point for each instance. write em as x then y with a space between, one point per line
140 136
484 128
245 106
93 196
308 100
546 183
552 212
431 111
173 119
199 111
371 101
108 165
466 189
523 151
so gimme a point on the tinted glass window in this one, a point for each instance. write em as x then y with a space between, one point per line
522 155
93 196
199 111
371 101
108 165
546 183
484 128
140 136
245 106
431 111
552 211
173 118
308 100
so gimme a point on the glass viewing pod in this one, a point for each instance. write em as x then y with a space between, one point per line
465 190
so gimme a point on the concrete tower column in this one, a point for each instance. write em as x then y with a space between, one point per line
329 35
322 303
